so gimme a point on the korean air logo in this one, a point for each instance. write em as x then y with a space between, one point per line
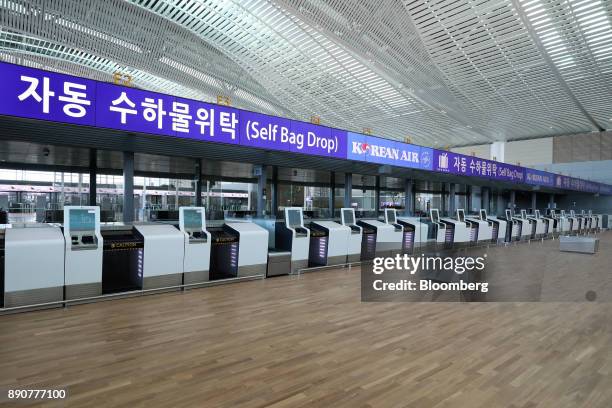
443 161
425 159
360 148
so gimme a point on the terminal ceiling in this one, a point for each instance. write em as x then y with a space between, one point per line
442 72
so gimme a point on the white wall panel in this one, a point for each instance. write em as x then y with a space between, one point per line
530 152
482 151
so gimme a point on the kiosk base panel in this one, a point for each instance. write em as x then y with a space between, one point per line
33 296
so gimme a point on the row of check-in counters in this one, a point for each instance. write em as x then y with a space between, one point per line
82 260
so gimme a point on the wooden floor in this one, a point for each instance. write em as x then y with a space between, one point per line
309 342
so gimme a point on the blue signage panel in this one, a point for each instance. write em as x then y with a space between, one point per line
462 165
383 151
38 94
539 178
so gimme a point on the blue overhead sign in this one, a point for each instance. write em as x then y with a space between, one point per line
37 94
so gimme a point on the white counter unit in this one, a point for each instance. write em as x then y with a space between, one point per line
337 242
420 230
252 248
164 249
388 238
34 266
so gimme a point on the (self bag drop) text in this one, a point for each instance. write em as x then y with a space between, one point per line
274 133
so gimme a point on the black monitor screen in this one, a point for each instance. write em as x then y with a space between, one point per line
294 218
483 215
435 216
349 217
192 219
523 214
391 217
460 216
82 220
508 214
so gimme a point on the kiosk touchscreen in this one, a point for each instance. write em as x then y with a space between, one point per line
435 216
292 236
515 226
443 235
84 247
196 263
347 218
33 265
461 215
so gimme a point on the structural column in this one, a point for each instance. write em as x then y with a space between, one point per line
551 201
348 189
451 199
485 198
274 192
534 201
93 176
128 186
198 182
332 193
377 195
408 197
468 198
500 204
444 200
262 177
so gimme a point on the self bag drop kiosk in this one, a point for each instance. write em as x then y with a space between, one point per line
328 243
406 229
458 228
164 251
484 228
84 245
564 223
196 264
138 257
443 233
388 237
499 227
513 228
292 236
252 247
525 228
419 231
538 224
347 217
33 265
